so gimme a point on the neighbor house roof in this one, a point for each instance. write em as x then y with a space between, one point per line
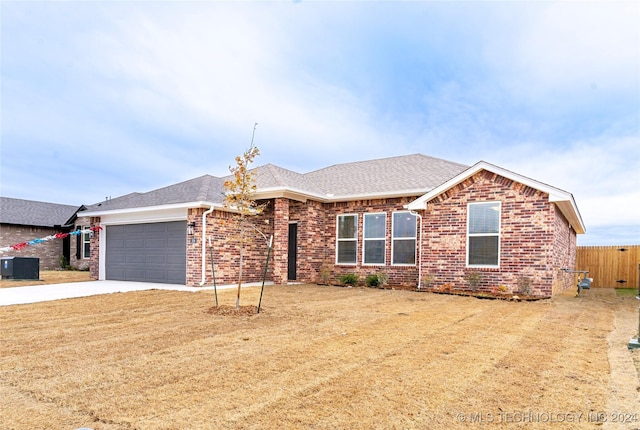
563 199
408 175
205 188
34 213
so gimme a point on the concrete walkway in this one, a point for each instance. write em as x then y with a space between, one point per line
43 293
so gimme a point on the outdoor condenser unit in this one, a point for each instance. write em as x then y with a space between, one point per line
20 268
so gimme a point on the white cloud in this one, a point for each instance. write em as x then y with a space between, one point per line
603 174
158 92
566 48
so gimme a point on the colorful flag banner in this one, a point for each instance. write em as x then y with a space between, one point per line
19 246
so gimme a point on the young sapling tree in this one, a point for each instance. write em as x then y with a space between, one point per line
240 198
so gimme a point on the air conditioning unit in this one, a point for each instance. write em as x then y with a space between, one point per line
20 268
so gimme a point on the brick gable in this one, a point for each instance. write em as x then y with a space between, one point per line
533 240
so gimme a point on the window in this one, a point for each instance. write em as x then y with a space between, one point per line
347 239
86 242
483 234
404 239
375 226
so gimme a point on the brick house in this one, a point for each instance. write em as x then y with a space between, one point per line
423 221
24 220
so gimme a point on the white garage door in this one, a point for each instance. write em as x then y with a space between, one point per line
154 252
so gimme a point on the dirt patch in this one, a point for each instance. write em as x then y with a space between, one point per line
320 357
49 277
233 311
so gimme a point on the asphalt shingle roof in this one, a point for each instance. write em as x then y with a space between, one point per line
33 213
410 174
204 188
415 172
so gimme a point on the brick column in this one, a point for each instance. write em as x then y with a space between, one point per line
280 240
94 252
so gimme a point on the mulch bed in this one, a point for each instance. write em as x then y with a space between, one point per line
226 310
516 297
488 295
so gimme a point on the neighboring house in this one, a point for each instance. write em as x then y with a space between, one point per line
413 217
25 220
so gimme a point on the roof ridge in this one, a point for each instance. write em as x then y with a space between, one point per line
373 160
205 187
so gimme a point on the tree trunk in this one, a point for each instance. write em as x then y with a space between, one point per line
240 275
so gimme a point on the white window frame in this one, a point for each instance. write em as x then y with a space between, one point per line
348 239
394 239
86 240
470 235
382 238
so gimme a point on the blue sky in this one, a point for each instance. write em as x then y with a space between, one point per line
105 98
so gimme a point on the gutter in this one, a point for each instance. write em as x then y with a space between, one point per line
204 250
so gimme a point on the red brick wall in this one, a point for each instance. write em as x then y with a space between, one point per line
280 218
312 249
94 261
529 231
317 240
564 252
226 249
79 263
48 252
316 243
536 240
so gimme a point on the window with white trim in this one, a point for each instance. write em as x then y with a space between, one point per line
86 242
403 242
483 234
374 238
347 239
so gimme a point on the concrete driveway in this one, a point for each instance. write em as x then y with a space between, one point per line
43 293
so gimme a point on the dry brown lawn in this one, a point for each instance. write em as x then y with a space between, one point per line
49 277
319 358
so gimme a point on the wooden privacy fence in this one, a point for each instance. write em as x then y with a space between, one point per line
610 266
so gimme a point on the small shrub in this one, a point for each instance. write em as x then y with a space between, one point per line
473 278
372 281
427 280
349 279
325 273
383 278
524 284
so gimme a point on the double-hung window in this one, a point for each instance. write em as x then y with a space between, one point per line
347 239
404 239
86 242
375 226
483 234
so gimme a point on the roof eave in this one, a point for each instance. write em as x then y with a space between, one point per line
185 205
296 194
562 199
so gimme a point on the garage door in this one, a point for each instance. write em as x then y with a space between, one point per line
147 252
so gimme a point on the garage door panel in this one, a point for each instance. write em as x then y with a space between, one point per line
134 243
152 244
156 259
147 252
174 259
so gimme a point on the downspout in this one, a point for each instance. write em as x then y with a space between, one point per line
419 249
204 242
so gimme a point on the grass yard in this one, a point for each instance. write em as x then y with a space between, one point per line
49 277
627 292
320 358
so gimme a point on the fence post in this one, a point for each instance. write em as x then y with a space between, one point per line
635 343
